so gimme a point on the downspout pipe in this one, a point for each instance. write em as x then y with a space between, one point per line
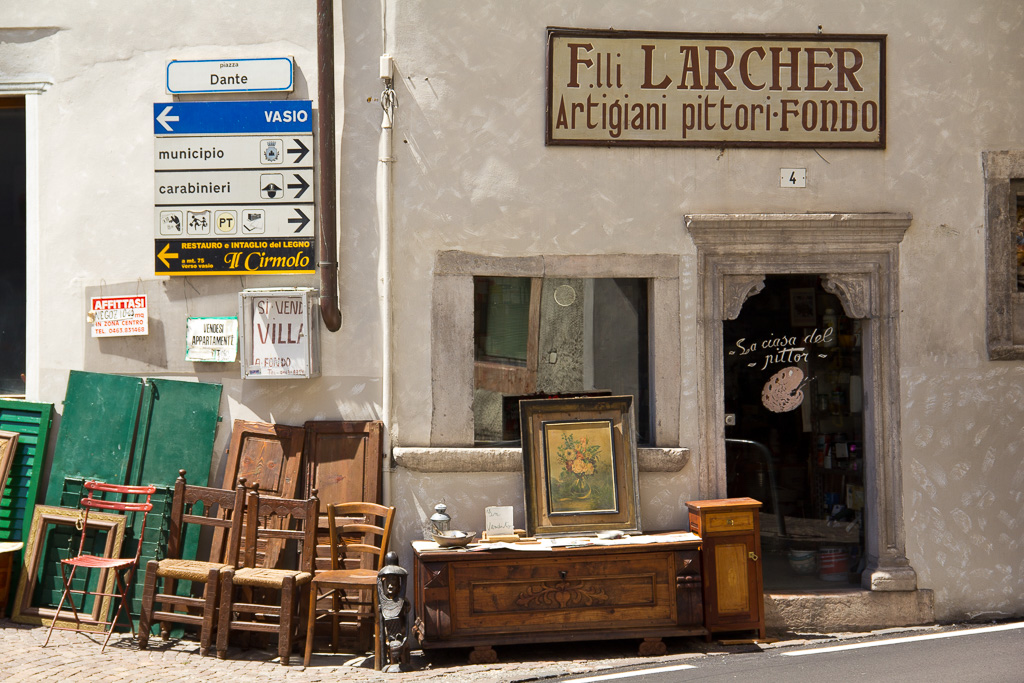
327 225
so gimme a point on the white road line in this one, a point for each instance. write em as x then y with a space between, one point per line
908 639
629 674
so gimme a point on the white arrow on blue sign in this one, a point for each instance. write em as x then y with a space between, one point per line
226 118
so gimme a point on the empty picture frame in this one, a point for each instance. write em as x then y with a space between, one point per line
8 444
44 518
579 465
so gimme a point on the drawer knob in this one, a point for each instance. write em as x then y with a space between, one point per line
563 574
729 522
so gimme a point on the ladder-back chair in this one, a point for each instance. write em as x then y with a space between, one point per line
252 593
359 538
193 509
133 499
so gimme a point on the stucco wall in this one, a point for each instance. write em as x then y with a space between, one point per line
473 174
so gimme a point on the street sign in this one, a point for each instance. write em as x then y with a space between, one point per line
233 257
230 75
229 175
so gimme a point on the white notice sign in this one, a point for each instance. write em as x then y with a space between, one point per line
211 340
273 74
279 344
118 316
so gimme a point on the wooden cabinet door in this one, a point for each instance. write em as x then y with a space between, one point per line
733 596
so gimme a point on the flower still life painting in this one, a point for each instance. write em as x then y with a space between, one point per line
579 460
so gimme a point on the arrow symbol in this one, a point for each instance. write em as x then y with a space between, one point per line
165 254
163 117
302 185
302 150
302 220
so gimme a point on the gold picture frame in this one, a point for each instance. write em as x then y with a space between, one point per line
579 465
44 517
8 444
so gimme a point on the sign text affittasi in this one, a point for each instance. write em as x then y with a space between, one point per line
715 90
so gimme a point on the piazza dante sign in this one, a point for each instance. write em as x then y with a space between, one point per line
715 90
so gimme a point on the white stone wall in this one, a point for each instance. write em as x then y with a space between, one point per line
473 174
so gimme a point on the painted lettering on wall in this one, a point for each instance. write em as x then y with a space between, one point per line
279 337
641 88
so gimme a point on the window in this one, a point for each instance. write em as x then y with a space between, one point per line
555 337
1004 234
12 258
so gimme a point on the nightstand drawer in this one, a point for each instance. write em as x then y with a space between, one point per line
716 522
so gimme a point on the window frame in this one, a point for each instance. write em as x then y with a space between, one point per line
1004 171
453 363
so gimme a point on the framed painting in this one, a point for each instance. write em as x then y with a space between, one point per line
107 543
579 465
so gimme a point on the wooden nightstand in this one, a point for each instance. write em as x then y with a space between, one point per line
731 563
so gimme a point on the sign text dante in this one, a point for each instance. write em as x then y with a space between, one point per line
715 90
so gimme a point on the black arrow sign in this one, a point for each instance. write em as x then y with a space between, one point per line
302 150
301 186
302 220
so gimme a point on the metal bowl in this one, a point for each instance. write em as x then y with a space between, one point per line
454 539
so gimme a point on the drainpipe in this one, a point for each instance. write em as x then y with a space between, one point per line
385 197
327 180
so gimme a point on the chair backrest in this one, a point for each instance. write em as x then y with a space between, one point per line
270 518
360 534
132 499
221 510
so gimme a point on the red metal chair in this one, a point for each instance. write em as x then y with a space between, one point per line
123 568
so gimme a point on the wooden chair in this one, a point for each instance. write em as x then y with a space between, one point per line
358 547
252 582
123 568
198 507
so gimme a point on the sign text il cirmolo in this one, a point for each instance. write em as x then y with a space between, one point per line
234 187
715 90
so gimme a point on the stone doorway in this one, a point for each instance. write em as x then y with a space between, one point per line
857 256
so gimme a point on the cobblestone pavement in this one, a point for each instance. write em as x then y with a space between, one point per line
77 657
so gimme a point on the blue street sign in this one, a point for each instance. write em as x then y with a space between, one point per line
225 118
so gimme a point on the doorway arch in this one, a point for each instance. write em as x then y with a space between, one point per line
858 256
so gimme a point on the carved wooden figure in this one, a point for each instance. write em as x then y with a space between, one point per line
393 614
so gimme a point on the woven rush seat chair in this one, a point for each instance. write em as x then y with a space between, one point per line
123 568
264 599
192 509
359 537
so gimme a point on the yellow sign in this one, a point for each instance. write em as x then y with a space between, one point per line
715 90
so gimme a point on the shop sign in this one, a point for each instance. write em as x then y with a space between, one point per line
233 257
272 74
119 316
715 90
211 340
280 333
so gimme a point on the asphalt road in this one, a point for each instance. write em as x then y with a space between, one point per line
957 653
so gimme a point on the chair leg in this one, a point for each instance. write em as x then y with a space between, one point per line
227 579
376 635
210 596
310 625
122 604
65 595
286 627
146 613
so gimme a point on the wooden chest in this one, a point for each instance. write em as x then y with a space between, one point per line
509 596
